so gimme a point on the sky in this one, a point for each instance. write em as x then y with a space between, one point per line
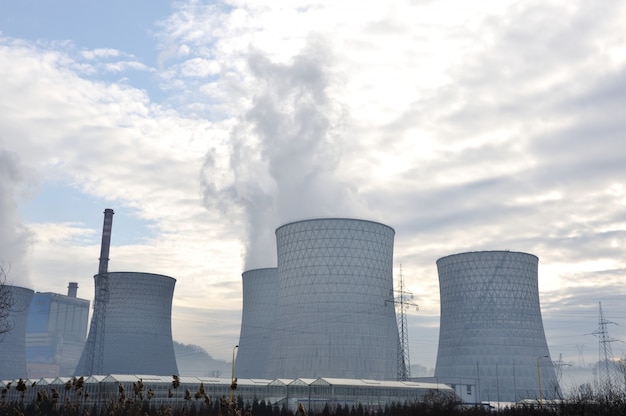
483 125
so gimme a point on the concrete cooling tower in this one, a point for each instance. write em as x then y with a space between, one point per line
491 329
13 342
332 318
257 322
131 330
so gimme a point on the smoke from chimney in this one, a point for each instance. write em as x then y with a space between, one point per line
106 241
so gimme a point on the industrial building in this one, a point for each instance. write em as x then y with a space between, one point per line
131 326
55 333
257 322
98 392
319 328
131 329
491 328
13 342
332 319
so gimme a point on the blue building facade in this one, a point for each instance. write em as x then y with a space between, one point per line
55 333
13 342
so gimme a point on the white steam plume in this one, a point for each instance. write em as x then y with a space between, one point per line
14 237
284 152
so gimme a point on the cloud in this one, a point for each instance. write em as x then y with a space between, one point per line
284 151
463 128
109 141
15 238
496 125
101 53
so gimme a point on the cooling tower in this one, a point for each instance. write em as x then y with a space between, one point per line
131 331
333 319
257 322
491 328
13 342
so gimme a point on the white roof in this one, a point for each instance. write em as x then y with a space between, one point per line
378 383
302 381
321 381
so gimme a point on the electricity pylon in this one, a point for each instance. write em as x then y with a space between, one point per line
402 300
606 366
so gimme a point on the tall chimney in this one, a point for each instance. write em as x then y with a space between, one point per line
72 290
106 241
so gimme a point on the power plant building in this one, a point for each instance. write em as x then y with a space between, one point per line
491 328
131 326
332 319
13 342
257 322
55 333
131 330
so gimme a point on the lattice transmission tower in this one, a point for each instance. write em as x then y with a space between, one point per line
403 301
606 366
558 366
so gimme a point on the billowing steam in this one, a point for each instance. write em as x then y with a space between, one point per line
284 152
14 238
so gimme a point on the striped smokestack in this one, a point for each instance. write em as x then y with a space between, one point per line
106 241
